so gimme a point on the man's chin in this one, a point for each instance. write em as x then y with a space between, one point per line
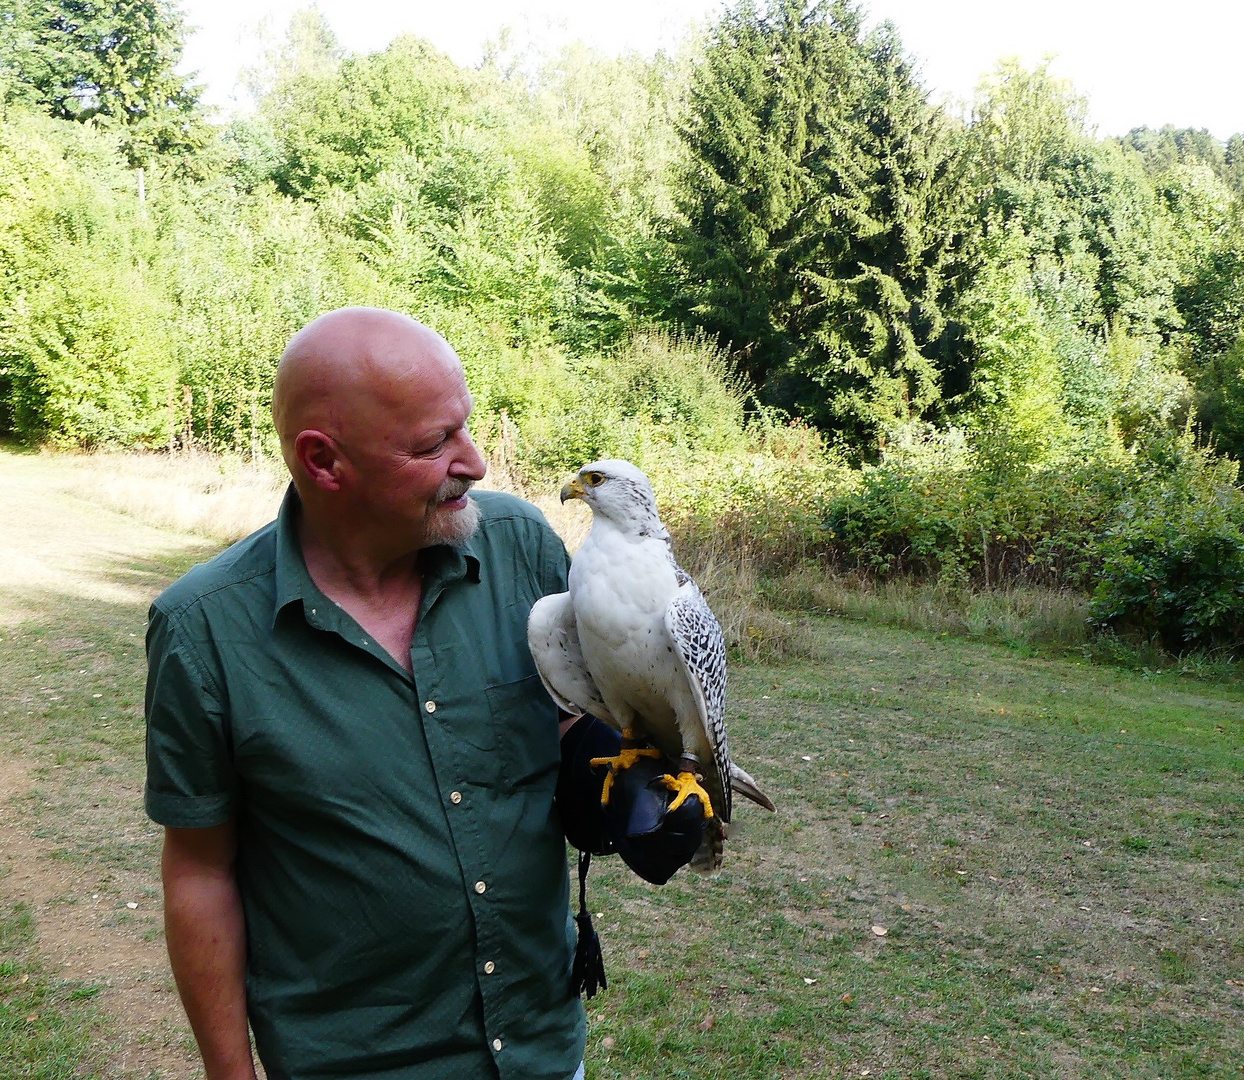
453 526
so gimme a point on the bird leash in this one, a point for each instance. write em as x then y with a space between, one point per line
588 974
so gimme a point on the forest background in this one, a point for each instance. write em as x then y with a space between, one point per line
841 328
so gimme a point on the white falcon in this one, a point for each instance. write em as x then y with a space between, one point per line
635 643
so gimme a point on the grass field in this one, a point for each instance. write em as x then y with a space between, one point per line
984 864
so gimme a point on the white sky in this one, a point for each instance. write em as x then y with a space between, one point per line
1139 62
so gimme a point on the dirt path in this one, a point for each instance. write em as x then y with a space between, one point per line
75 582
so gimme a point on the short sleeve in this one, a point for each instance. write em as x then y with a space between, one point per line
190 776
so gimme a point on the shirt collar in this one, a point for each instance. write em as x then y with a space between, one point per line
441 565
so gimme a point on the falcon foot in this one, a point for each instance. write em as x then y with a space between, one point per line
685 784
627 757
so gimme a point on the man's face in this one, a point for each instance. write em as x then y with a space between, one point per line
413 459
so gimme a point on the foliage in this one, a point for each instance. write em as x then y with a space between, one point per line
663 401
84 350
108 61
821 203
662 258
309 47
1173 562
1221 400
338 126
1212 303
997 523
1017 380
241 277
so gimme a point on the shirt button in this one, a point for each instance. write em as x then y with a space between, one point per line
489 968
430 706
455 797
496 1045
480 886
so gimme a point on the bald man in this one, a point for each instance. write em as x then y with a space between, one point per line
351 752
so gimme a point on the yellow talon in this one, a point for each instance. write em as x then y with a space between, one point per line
627 757
687 784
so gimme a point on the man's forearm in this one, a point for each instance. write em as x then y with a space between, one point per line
206 935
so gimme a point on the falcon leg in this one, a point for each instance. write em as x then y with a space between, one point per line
687 783
632 750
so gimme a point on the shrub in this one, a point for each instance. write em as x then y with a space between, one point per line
656 399
992 522
1174 558
84 350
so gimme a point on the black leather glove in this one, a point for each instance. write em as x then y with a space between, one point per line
637 823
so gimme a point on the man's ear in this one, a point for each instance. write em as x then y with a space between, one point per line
319 458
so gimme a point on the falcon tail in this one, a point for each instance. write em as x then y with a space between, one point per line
707 859
744 785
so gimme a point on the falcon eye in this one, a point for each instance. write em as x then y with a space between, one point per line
594 479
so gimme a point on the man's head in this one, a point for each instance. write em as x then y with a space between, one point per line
371 409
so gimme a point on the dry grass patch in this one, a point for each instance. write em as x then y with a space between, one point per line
217 496
225 498
77 848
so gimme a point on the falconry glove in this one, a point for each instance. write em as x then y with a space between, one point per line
637 823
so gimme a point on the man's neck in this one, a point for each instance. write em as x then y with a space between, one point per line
383 598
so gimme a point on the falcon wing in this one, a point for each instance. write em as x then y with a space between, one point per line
701 650
553 640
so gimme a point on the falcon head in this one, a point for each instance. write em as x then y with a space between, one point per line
620 493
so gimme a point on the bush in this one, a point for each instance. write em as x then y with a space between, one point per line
656 399
1173 561
84 350
989 522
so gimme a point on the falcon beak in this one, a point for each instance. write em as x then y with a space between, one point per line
573 490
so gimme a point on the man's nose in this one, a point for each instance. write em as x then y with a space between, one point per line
470 462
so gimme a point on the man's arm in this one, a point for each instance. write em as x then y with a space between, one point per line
206 934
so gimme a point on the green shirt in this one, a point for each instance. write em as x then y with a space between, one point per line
402 868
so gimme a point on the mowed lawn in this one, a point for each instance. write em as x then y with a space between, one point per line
982 865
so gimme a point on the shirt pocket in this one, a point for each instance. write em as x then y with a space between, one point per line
524 719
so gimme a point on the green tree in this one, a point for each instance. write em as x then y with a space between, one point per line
880 339
821 204
337 128
309 47
1016 390
620 115
1094 247
1235 165
242 275
84 344
1164 148
756 103
460 229
1220 400
1212 302
108 61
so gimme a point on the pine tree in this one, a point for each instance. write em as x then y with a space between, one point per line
880 342
107 61
821 208
747 135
